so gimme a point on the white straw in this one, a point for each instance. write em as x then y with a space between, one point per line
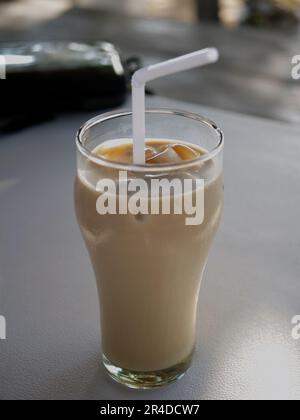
147 74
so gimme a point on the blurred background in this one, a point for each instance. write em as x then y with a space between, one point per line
257 40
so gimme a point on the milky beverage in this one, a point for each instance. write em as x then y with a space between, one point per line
148 267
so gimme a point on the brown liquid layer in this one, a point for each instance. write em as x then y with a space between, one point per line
157 152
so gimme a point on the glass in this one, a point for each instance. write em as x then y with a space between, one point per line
149 268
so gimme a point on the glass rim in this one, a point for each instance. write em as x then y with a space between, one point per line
147 167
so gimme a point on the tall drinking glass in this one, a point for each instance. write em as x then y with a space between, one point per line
149 268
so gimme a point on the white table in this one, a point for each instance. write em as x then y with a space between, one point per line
250 293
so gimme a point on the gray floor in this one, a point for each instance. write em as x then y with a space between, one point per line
253 76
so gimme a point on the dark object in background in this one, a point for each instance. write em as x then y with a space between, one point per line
265 13
208 10
44 79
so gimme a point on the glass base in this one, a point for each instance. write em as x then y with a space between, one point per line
147 380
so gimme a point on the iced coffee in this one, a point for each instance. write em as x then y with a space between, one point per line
148 267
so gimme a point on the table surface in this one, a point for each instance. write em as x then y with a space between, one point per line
252 77
250 292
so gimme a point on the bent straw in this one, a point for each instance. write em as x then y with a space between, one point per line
141 77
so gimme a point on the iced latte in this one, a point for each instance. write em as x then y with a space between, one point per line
148 267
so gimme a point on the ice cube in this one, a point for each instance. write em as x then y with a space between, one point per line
165 154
